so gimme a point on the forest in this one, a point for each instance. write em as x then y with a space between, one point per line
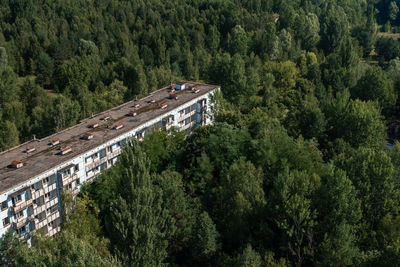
298 169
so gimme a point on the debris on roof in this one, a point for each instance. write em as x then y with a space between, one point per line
65 150
87 136
30 149
173 96
118 125
55 141
17 164
107 117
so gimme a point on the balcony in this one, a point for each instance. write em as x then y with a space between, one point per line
51 203
187 126
25 236
21 222
69 180
97 162
21 206
75 191
38 193
39 209
114 153
50 188
54 231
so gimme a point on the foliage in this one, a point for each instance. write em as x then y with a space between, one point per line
294 171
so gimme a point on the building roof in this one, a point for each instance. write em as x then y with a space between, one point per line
47 157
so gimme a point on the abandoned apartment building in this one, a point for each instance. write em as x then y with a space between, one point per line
33 174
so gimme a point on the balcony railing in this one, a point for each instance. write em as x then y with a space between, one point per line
69 180
20 222
96 163
38 193
21 206
114 153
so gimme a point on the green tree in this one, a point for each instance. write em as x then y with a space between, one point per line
375 85
339 216
239 201
239 41
372 174
205 238
138 223
3 57
334 27
8 135
293 214
249 258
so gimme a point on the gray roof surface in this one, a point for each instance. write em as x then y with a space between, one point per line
46 157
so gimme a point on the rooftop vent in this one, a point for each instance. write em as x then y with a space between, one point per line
137 105
107 117
163 106
87 136
195 90
55 141
94 125
17 164
152 100
132 113
118 125
65 150
173 96
30 149
180 85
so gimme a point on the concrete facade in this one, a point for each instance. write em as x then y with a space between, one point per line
30 195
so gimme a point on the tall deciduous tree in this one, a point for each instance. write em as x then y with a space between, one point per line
138 223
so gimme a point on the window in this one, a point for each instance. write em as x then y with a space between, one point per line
29 211
20 214
52 209
41 216
17 198
38 185
52 179
39 201
102 153
88 159
4 205
103 166
21 230
76 168
187 110
52 194
28 195
6 221
46 180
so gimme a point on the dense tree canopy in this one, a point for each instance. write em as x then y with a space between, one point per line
294 172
